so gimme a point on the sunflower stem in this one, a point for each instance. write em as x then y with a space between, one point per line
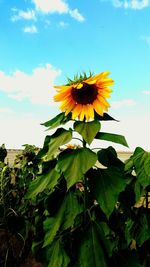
85 190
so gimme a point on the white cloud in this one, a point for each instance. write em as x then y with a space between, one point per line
76 15
30 29
62 24
57 6
129 127
36 87
21 14
131 4
24 130
146 92
146 39
123 103
6 111
48 6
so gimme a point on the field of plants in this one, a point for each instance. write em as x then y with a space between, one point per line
60 208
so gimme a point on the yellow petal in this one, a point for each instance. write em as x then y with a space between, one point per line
70 108
91 111
66 104
76 111
81 115
103 100
62 95
98 107
62 87
78 86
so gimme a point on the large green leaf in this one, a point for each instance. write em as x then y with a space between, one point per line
106 186
57 121
140 162
75 164
45 181
59 138
108 157
87 130
137 230
57 255
115 138
64 218
91 253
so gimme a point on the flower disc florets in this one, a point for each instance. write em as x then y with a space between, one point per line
84 95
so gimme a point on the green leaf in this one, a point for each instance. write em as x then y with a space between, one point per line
45 181
59 138
137 230
116 138
105 117
140 162
57 255
106 186
91 253
64 218
107 237
57 121
108 157
87 130
75 163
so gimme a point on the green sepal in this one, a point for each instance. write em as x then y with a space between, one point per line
75 163
87 130
115 138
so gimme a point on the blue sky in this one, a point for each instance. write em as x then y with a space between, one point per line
44 41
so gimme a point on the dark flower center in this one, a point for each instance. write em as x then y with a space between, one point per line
86 95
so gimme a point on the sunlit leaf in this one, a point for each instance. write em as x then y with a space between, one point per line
75 164
59 138
115 138
88 130
45 181
57 121
106 186
140 162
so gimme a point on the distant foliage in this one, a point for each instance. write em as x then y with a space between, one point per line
75 206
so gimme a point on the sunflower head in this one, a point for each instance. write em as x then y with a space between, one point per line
84 95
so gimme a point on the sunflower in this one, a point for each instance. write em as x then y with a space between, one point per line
85 95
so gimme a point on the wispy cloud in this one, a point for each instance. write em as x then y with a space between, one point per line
57 6
6 111
76 15
131 4
30 29
146 92
146 39
36 87
48 6
63 24
123 103
21 14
